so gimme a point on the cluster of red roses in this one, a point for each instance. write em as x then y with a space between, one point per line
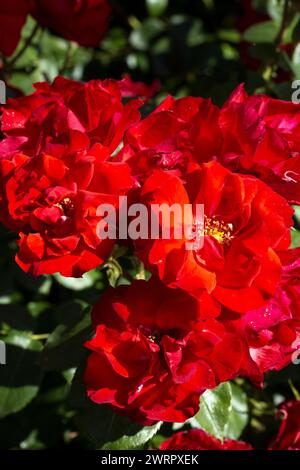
82 21
227 309
288 437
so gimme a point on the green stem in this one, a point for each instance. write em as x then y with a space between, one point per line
40 337
272 66
24 47
294 390
284 21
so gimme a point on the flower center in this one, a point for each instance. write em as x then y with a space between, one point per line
153 339
66 205
152 335
219 230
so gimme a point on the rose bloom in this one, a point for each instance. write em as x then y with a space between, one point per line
271 333
67 117
197 439
13 15
56 169
173 137
288 437
245 225
155 350
53 205
262 137
82 21
255 135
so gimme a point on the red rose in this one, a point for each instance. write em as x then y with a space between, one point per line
53 204
288 437
67 117
253 135
155 351
261 136
13 15
82 21
55 171
272 332
130 89
246 224
197 439
175 136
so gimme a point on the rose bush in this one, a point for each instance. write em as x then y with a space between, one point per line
186 342
240 287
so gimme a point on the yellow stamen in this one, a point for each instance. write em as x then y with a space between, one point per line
219 230
152 339
66 205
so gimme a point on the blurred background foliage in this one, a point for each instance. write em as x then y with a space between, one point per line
202 48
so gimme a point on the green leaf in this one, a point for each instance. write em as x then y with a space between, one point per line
295 61
37 308
295 239
132 442
20 377
223 411
114 272
264 32
239 413
292 32
157 7
275 9
297 215
32 442
295 232
64 348
77 284
215 407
